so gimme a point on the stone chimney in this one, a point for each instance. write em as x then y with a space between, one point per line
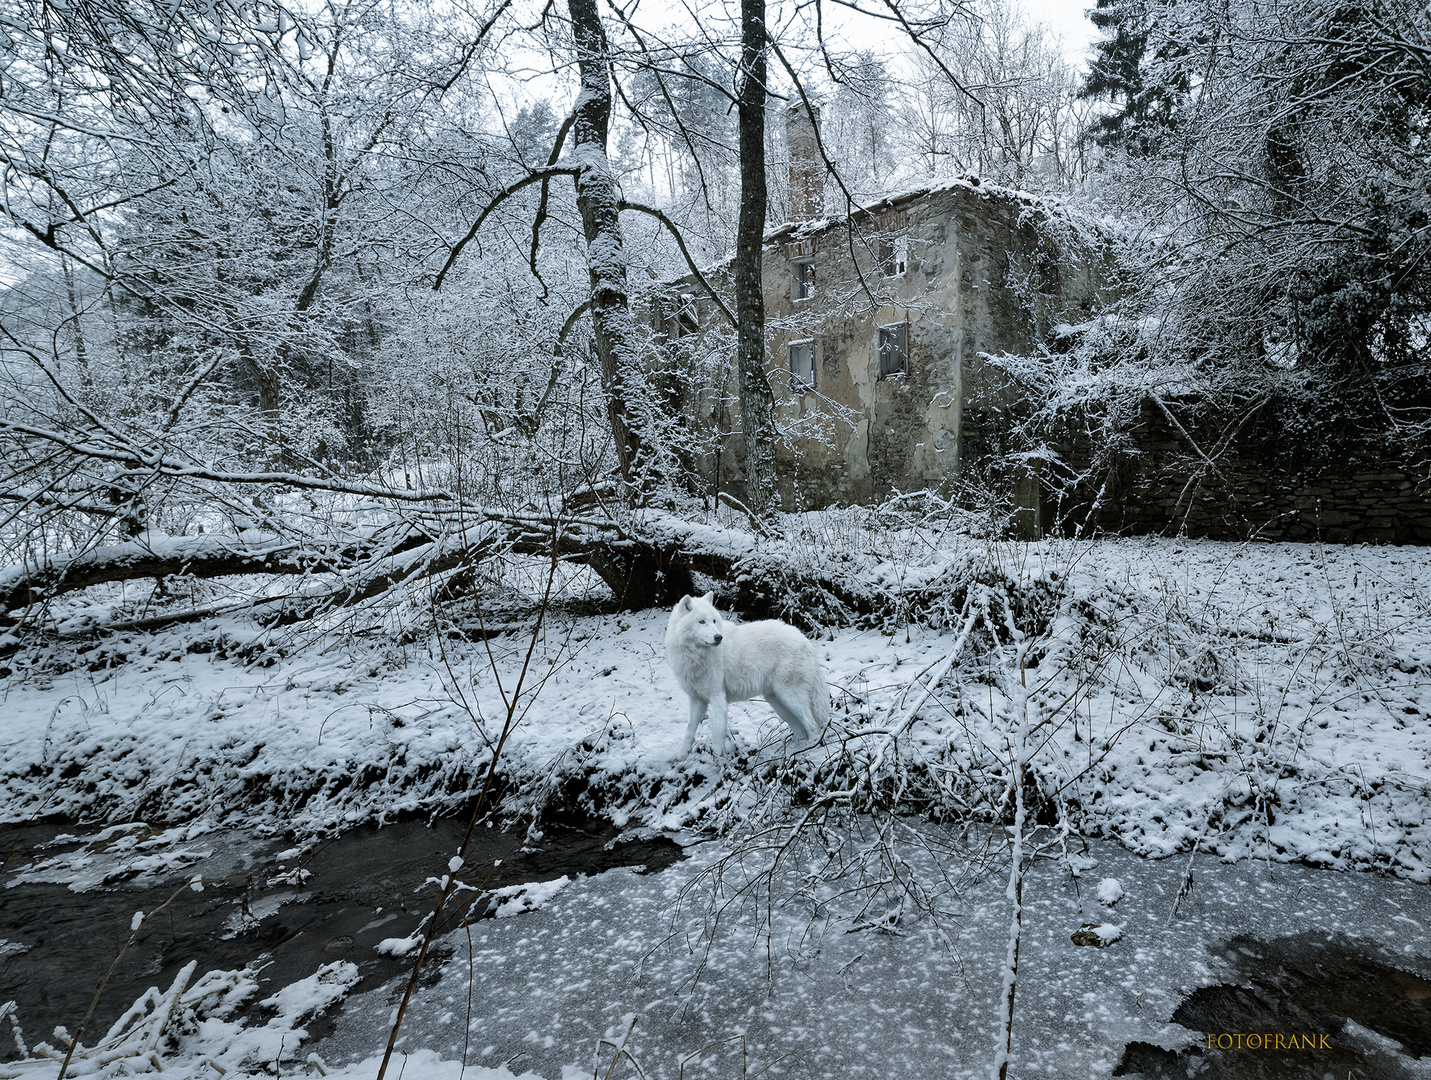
807 170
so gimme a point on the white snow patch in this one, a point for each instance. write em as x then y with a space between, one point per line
316 994
517 899
118 853
186 1030
252 913
400 946
1106 933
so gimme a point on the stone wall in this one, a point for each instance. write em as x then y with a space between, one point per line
1267 482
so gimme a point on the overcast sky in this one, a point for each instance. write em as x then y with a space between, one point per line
1066 19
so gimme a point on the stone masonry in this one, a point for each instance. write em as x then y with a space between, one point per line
944 273
1262 483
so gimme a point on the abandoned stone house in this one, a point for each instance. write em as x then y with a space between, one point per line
876 322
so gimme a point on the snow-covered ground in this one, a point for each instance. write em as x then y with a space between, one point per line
1265 700
1264 703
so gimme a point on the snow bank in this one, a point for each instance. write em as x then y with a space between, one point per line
1262 701
188 1030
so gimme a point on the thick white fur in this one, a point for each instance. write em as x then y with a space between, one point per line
718 662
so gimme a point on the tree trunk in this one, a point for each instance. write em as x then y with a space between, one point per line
598 199
757 403
72 292
203 556
269 382
649 565
641 576
1286 174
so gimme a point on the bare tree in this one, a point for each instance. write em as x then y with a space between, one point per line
1021 116
599 201
757 402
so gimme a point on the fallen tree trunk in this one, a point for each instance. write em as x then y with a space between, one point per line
205 556
648 560
651 563
371 562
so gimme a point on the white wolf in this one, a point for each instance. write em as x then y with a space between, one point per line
718 662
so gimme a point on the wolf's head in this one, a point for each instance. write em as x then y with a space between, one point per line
700 623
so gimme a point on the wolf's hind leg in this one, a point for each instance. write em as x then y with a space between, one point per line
794 718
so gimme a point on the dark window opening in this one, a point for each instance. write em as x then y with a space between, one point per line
894 256
804 280
687 318
893 349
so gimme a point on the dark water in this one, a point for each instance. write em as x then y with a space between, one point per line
1310 986
359 888
368 884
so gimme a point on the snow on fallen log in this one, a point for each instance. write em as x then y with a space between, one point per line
205 556
646 557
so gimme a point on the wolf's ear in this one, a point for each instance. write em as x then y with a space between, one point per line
709 598
685 604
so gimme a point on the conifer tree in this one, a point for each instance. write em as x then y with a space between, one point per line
1144 73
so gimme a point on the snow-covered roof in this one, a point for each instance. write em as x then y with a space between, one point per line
800 230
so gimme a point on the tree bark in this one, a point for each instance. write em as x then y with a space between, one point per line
642 576
72 292
268 380
598 199
197 556
757 403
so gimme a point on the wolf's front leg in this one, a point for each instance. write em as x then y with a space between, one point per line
720 727
698 713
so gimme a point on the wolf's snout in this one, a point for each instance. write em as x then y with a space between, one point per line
717 640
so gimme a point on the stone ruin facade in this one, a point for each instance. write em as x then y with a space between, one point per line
875 324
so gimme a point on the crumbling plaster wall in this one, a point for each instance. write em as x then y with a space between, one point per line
979 277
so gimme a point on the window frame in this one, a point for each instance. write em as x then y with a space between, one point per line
798 381
894 256
804 286
888 334
686 316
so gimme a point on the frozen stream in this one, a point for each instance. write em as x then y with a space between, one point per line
1287 950
828 1002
